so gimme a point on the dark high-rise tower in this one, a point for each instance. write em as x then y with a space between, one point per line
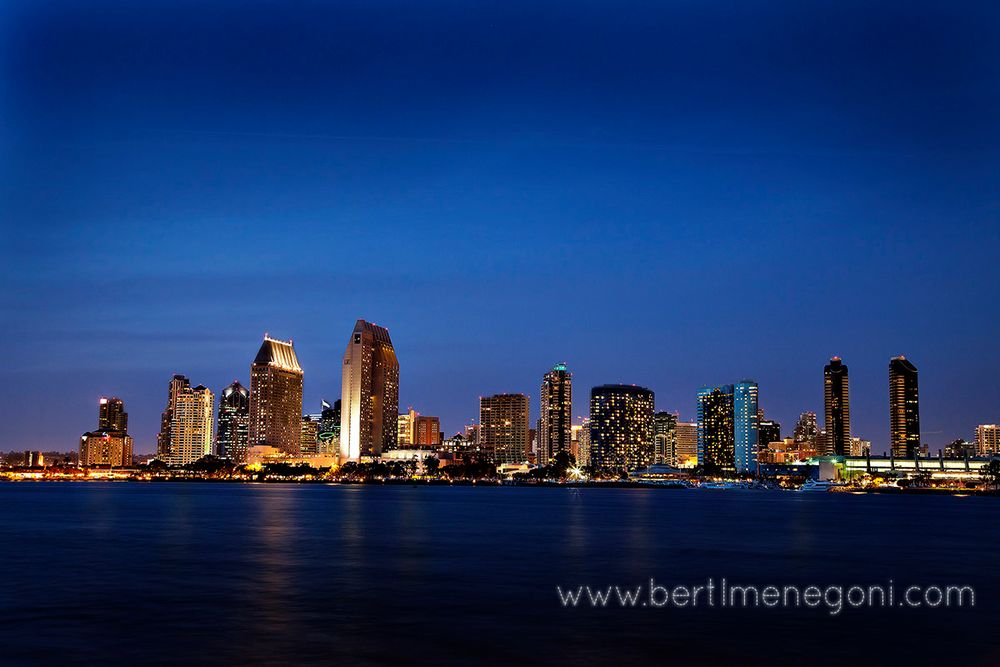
768 431
904 407
556 414
233 435
621 427
837 409
665 438
276 397
112 415
369 406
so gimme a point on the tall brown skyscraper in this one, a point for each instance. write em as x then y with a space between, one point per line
904 407
369 403
837 409
503 427
556 415
276 397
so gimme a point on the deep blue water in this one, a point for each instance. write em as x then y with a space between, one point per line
274 573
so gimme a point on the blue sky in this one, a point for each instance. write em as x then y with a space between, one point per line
669 194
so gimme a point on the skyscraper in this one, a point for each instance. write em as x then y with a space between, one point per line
621 428
370 393
110 444
904 407
417 430
233 432
276 397
329 428
768 431
806 431
556 413
727 427
112 415
503 427
987 439
582 431
309 436
686 434
186 425
837 409
665 437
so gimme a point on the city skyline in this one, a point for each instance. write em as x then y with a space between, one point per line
534 413
501 214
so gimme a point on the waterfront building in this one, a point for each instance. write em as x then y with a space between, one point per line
276 397
836 408
621 428
416 431
665 438
860 447
686 435
186 423
988 439
232 436
904 408
370 394
806 430
309 436
581 439
110 444
727 427
768 431
556 414
503 428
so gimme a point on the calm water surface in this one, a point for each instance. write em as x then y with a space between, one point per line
200 573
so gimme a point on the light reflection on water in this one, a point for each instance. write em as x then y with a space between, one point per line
319 573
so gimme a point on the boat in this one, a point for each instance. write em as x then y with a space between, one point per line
813 486
720 485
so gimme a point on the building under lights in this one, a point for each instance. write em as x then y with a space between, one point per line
665 437
186 424
836 409
370 394
110 444
904 408
555 414
276 397
686 435
987 439
232 434
727 427
621 428
503 428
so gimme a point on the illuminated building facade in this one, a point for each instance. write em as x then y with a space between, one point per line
837 409
309 436
417 430
232 434
370 394
503 428
186 426
112 415
686 436
110 444
329 428
556 414
276 397
806 430
621 428
768 431
581 442
904 408
665 437
727 427
987 439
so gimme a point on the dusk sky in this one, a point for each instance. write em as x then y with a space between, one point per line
671 196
